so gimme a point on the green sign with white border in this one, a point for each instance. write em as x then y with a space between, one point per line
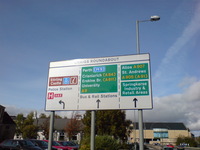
135 88
134 71
99 79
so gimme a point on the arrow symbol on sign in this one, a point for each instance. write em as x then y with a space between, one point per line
61 102
98 101
135 102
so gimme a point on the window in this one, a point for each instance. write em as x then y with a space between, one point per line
160 133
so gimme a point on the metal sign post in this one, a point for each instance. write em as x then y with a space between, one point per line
141 132
92 141
51 130
140 111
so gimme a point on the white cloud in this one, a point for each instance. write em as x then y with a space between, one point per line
193 92
182 107
187 81
174 51
14 111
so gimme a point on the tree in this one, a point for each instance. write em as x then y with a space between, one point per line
25 126
19 123
45 127
186 140
198 140
73 126
43 115
110 122
87 123
29 119
57 116
30 131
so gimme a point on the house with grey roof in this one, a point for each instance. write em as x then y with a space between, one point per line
60 125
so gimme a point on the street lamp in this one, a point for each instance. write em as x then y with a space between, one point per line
140 113
155 18
152 18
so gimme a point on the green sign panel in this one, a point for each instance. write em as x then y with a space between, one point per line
134 71
99 79
140 74
135 88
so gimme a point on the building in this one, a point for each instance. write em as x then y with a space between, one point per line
159 132
7 125
60 125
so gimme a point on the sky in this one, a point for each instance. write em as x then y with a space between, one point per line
34 33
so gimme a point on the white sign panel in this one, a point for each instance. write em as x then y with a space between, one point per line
119 82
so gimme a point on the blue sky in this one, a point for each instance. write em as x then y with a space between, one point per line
34 33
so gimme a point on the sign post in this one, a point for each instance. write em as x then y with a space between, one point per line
92 141
51 130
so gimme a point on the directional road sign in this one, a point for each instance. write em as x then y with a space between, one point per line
118 82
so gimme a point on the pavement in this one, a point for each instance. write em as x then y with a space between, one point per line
156 147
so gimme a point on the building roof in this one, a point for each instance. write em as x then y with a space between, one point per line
59 123
163 125
2 107
7 119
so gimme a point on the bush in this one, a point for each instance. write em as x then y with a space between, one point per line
85 144
104 142
187 140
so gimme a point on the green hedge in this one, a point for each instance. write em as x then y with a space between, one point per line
101 143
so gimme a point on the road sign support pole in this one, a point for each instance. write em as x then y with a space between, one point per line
140 111
92 141
51 130
140 117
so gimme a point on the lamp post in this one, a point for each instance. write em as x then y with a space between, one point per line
140 112
153 18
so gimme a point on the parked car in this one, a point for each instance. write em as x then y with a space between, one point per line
156 143
8 148
19 145
180 147
42 144
56 145
170 145
168 148
70 145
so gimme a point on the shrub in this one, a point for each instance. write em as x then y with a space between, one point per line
104 142
186 140
85 144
